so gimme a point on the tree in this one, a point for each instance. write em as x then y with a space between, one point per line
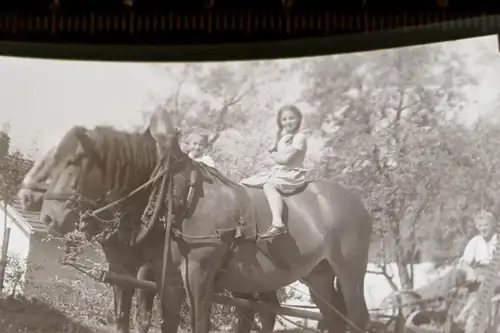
385 115
229 102
13 167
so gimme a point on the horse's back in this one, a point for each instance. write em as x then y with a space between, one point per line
322 202
319 215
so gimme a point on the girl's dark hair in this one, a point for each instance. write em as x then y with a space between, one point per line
295 110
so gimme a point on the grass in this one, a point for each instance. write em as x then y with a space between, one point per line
23 315
79 306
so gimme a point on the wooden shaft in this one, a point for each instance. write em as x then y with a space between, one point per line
113 278
128 281
264 307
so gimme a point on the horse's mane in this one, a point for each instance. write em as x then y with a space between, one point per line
129 157
39 170
215 174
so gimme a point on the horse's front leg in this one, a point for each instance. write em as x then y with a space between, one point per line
199 285
122 295
144 300
171 308
123 303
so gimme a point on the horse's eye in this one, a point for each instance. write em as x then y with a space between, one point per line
73 160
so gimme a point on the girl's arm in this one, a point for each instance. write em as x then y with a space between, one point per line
299 144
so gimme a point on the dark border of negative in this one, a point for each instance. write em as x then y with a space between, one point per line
307 47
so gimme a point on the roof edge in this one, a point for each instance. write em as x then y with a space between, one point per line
17 217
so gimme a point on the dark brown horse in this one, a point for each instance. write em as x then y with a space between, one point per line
32 192
33 189
329 230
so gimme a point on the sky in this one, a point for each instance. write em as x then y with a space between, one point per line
41 99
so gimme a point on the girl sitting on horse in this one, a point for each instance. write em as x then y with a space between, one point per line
288 173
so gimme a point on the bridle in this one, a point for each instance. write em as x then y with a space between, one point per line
93 209
74 200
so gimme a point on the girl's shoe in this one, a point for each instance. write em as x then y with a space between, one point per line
274 231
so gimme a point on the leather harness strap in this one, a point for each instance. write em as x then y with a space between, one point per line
168 231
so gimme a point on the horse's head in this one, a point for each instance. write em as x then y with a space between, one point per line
77 172
92 169
34 184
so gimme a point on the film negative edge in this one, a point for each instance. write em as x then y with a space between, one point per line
132 23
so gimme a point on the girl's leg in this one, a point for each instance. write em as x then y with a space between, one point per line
276 204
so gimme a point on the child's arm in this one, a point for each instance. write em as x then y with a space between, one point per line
299 144
208 161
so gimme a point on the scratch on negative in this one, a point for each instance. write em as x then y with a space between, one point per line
325 209
305 212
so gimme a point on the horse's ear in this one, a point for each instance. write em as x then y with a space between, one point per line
146 132
81 135
161 122
178 132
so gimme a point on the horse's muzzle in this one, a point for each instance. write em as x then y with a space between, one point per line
52 228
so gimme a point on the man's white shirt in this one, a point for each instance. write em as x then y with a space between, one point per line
478 250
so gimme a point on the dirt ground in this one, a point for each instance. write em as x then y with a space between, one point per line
31 316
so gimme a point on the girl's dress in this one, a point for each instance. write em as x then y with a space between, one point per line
287 178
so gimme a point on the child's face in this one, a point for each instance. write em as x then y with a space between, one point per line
289 121
485 227
196 145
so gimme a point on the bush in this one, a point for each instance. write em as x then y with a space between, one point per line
14 275
93 307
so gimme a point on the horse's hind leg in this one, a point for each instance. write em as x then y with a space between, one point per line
244 316
329 300
350 273
145 300
268 319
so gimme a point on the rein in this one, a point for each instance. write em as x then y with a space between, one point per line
75 199
128 196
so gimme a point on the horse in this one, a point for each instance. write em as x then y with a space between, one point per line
31 193
213 243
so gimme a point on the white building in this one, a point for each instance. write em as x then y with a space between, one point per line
31 251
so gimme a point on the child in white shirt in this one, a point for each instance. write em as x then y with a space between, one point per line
196 147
